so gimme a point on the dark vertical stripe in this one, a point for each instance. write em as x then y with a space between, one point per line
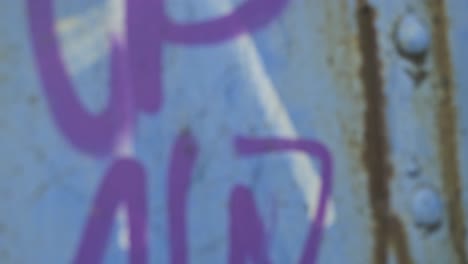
447 124
387 228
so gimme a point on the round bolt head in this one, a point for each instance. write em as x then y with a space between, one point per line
412 36
427 208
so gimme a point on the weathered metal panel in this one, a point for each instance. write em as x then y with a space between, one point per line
280 131
423 133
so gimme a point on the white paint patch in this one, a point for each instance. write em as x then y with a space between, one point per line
85 37
116 17
123 232
125 146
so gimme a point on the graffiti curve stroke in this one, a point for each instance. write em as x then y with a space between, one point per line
135 70
246 229
147 29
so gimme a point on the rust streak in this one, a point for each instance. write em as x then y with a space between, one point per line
387 228
376 149
399 241
447 123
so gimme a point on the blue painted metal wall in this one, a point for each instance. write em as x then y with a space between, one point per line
222 131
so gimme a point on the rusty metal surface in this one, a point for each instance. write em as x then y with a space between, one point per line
330 131
422 122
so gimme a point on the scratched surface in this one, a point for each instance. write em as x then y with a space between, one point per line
229 131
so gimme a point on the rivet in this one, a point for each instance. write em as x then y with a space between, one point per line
412 35
427 208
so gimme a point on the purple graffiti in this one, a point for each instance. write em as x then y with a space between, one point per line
252 146
183 160
135 85
248 237
251 15
148 27
125 183
94 134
